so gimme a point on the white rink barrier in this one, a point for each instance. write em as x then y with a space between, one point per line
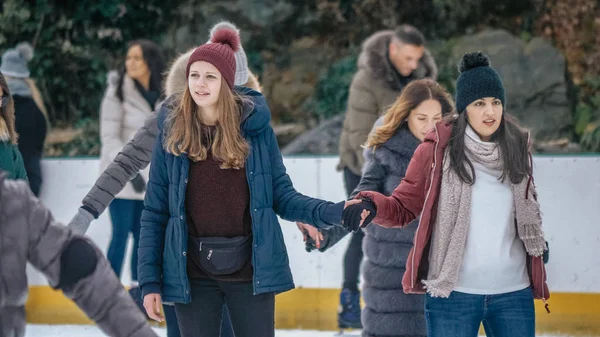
568 187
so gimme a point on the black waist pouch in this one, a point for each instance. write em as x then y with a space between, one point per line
218 255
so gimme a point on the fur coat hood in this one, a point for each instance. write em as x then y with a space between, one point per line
374 59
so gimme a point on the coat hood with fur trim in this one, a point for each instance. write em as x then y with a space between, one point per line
374 59
176 81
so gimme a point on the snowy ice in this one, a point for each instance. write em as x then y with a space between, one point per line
35 330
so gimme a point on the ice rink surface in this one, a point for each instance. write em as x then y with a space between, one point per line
34 330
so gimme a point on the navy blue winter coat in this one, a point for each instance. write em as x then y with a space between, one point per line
163 237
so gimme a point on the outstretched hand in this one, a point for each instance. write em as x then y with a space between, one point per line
358 213
80 223
310 233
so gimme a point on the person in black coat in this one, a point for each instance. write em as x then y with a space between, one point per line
30 114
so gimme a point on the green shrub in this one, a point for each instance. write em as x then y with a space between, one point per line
447 68
587 115
331 92
76 42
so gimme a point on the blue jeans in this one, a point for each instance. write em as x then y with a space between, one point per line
460 315
125 216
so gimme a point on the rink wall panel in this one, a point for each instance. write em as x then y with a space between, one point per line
569 194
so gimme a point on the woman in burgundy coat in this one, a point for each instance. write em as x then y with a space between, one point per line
479 243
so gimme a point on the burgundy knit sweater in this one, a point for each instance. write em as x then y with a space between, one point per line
217 203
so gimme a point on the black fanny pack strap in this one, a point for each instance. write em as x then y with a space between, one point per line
218 255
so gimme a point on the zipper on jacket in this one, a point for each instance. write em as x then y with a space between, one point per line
254 236
546 306
530 178
412 269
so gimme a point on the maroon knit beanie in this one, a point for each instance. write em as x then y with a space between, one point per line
220 53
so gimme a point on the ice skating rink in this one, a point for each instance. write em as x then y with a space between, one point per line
91 331
34 330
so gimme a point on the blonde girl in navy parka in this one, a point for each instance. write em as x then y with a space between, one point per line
211 132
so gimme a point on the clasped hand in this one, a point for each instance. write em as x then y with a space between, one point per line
358 213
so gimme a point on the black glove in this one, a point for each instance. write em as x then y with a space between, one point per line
331 237
138 184
351 215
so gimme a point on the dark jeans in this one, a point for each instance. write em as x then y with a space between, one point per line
354 254
173 325
251 315
171 320
125 216
34 172
226 327
504 315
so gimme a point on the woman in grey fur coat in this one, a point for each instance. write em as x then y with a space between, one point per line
389 149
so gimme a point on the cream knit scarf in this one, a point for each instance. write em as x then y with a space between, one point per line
453 217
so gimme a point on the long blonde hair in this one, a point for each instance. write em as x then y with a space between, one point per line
7 117
415 93
184 130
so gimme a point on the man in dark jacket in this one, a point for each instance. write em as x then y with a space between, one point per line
70 263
